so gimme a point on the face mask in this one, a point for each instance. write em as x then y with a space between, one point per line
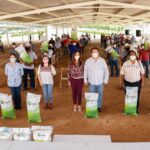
77 57
12 60
132 58
114 46
95 55
74 44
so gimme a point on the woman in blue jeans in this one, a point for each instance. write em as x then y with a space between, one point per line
14 73
46 71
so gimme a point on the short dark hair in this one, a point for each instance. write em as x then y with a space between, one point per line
94 48
12 54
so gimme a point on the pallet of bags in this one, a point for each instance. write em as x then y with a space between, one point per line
7 107
131 101
91 105
22 134
42 133
6 133
25 57
33 107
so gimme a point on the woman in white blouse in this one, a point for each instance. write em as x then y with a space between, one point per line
46 71
132 73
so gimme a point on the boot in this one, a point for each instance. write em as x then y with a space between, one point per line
50 105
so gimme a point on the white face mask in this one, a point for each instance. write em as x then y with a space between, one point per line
95 55
133 58
12 60
77 57
74 44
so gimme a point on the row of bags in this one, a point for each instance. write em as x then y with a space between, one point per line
36 133
33 108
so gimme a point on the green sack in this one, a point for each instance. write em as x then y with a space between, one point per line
91 105
74 35
44 46
23 54
146 45
131 101
114 54
26 57
33 108
7 107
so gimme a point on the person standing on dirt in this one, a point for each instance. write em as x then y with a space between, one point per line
14 73
2 47
75 80
132 73
96 74
29 68
45 72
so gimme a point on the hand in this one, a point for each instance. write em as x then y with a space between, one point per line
69 84
85 83
41 84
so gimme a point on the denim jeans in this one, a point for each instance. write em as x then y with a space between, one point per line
114 63
97 89
31 74
146 64
16 95
48 93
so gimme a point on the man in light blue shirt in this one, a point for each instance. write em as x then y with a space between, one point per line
96 74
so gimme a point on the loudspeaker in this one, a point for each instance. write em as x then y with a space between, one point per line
138 33
127 32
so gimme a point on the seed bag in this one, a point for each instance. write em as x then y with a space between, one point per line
6 133
33 108
42 133
44 46
131 101
23 54
7 107
91 105
22 134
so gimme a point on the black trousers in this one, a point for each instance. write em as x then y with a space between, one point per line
135 84
29 72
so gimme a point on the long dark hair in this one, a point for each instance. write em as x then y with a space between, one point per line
73 58
49 62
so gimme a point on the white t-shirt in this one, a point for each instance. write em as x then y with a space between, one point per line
132 72
46 74
33 57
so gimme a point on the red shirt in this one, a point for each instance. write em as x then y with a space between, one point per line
144 55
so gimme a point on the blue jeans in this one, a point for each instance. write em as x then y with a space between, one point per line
114 63
16 95
97 89
47 91
146 64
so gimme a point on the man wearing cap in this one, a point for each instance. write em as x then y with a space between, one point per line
132 73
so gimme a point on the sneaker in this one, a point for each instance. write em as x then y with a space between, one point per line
79 109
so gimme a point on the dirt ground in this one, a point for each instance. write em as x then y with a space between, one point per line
110 122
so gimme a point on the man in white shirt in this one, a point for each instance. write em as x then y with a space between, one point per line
29 69
96 74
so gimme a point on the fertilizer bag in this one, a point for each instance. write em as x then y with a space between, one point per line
42 133
7 107
6 133
131 101
33 108
91 105
22 134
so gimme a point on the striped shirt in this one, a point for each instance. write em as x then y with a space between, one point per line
132 72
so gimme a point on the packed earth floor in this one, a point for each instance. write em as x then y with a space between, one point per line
111 120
